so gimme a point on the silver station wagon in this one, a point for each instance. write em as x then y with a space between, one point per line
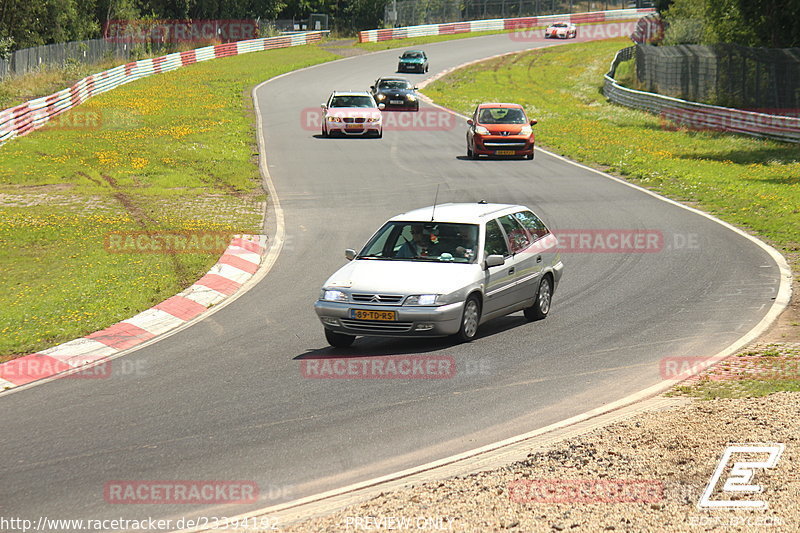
443 270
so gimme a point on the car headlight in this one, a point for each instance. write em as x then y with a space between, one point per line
526 130
334 119
381 97
374 119
422 299
332 295
480 130
411 98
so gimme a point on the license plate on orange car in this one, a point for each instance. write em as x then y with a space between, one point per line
505 152
363 314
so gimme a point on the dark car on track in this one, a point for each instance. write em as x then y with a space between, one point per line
413 61
395 93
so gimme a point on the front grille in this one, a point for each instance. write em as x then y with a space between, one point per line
504 145
351 120
366 326
382 299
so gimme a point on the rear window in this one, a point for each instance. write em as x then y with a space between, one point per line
532 223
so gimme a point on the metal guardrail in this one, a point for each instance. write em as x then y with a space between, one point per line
696 115
25 118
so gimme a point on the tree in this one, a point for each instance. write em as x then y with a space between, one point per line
770 23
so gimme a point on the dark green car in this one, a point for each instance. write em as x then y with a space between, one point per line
413 61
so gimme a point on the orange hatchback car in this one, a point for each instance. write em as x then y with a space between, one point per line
500 130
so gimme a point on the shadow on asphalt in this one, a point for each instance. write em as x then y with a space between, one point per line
377 346
496 158
360 137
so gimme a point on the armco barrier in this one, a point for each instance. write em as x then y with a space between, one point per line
24 118
470 26
700 116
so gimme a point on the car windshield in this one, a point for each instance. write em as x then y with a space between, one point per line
501 115
412 55
424 241
352 101
394 84
560 25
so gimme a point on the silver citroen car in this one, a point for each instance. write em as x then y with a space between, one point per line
443 270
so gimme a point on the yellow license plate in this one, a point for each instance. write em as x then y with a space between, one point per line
363 314
505 152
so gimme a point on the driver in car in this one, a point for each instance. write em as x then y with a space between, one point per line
417 247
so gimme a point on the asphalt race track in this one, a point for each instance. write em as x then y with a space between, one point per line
225 399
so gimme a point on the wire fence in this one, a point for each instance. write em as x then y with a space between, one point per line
414 12
126 40
723 74
780 124
88 52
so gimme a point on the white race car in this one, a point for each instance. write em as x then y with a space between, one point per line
561 30
352 113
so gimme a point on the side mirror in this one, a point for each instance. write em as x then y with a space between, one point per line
381 106
470 123
350 254
495 260
372 87
415 88
323 106
534 122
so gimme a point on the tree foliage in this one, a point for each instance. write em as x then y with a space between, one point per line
770 23
26 23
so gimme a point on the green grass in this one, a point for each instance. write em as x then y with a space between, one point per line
749 182
155 162
626 74
779 366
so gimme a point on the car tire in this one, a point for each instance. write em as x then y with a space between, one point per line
542 300
339 340
470 319
470 153
380 134
529 156
324 132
